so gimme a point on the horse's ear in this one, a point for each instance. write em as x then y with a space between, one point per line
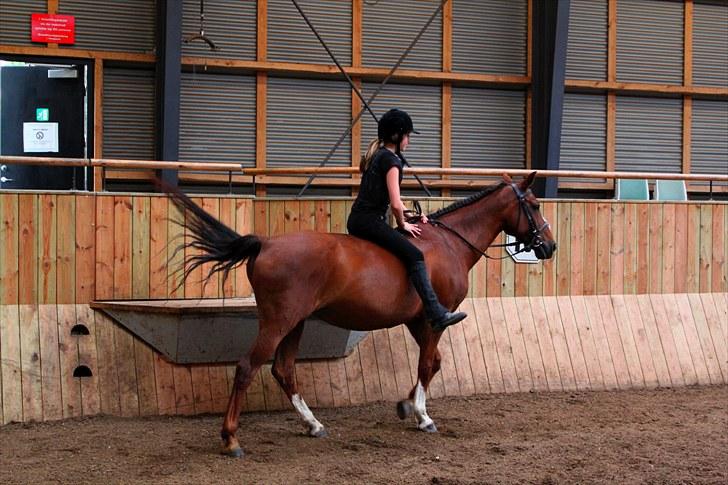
507 178
528 180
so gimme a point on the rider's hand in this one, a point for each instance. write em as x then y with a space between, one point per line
423 219
412 229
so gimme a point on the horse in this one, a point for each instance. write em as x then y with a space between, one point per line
355 284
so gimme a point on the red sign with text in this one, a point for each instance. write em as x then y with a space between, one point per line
53 29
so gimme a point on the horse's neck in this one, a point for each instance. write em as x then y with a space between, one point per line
479 223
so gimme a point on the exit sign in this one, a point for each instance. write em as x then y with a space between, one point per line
42 114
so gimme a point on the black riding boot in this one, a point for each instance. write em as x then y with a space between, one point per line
436 314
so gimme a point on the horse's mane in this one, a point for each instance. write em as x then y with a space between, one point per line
465 202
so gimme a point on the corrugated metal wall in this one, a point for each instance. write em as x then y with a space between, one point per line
385 38
15 20
586 56
127 26
230 24
650 41
128 108
649 134
291 40
709 149
584 132
217 118
488 128
710 43
424 105
305 118
476 23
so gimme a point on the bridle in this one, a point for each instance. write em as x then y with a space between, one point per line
535 232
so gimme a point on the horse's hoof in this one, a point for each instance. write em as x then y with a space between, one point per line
236 452
404 409
430 428
322 433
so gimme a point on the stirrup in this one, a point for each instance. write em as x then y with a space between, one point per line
446 320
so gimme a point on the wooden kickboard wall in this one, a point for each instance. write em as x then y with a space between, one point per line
631 282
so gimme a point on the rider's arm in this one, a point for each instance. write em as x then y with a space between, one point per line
394 199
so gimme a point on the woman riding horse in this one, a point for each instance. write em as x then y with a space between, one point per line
380 189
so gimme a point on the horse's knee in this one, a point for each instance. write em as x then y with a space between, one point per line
242 374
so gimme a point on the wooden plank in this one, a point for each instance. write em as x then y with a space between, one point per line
603 248
551 213
508 276
28 249
521 284
339 387
211 286
323 216
680 249
641 340
623 325
545 343
30 363
107 369
595 323
70 386
175 256
479 279
354 379
10 364
184 398
201 390
449 372
579 351
47 247
244 226
643 248
564 274
369 369
720 341
654 345
590 248
706 340
512 353
474 348
530 339
488 343
653 310
338 217
630 249
616 346
87 355
692 229
576 247
616 249
227 217
558 339
104 245
66 249
400 360
655 256
721 305
461 360
706 247
719 267
305 382
50 362
665 308
693 339
85 225
385 365
668 248
322 382
493 269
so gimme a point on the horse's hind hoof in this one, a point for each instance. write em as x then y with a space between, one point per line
430 428
235 452
404 409
322 433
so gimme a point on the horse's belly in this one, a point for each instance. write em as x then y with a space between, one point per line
369 315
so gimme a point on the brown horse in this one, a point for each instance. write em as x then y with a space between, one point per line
354 284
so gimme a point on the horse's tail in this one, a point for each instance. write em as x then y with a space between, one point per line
216 242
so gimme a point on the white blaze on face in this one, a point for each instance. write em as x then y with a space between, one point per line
302 408
423 419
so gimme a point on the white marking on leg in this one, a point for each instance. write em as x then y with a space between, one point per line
314 425
423 419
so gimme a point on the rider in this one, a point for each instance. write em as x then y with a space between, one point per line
380 188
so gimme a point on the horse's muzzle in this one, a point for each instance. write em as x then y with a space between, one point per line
545 250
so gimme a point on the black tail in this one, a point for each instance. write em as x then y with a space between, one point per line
217 242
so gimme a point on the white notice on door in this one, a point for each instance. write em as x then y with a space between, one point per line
40 137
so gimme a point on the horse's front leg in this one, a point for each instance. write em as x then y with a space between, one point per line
428 366
283 371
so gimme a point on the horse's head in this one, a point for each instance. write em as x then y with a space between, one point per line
524 221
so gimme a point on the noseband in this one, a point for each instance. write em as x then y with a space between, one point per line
535 232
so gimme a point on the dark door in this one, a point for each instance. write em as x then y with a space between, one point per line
42 114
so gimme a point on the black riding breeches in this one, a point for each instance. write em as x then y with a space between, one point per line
373 228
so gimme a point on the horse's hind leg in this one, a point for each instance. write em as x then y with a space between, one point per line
428 366
269 336
283 371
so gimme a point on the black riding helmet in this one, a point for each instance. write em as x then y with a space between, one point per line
393 125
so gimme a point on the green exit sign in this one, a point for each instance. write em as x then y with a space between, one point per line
42 114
